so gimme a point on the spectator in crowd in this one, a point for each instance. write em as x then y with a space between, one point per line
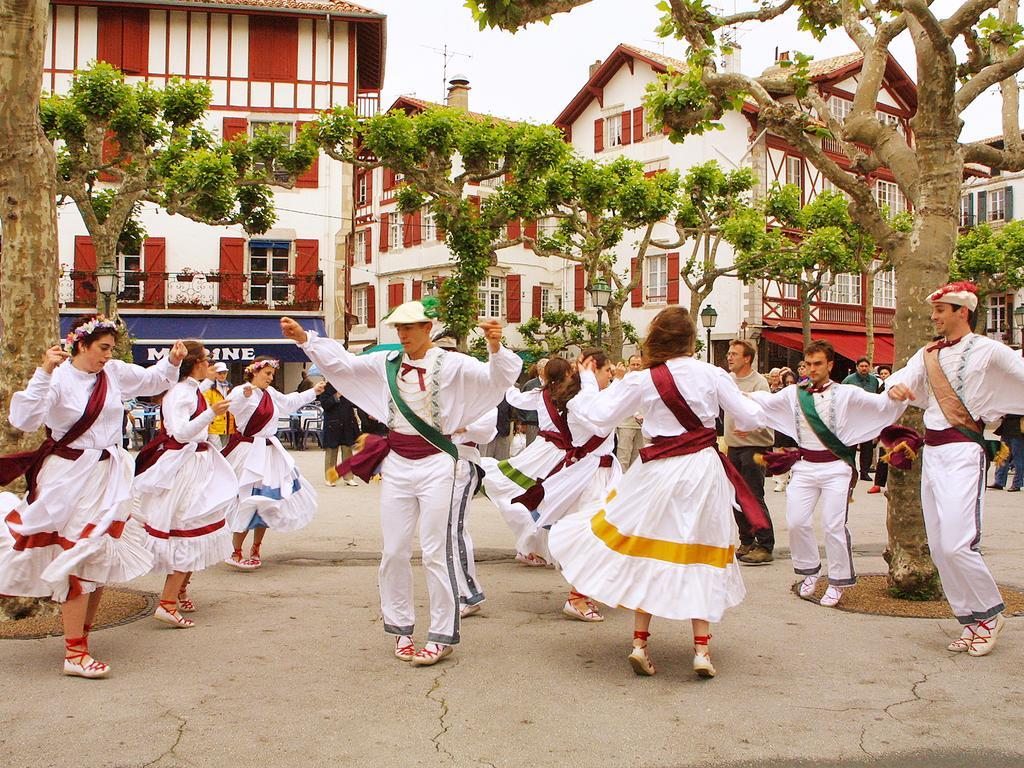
881 468
866 380
628 434
1010 433
774 378
499 447
787 378
341 429
304 382
215 388
742 450
536 381
801 372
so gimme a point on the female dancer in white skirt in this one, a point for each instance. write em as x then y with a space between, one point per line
185 489
506 480
271 492
67 537
662 542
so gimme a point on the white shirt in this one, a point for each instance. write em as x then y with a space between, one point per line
987 376
423 402
178 406
58 400
242 407
705 387
533 400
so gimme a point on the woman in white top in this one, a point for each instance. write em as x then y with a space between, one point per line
67 537
271 492
661 543
185 489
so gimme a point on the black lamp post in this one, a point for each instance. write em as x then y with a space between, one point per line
600 294
708 318
106 282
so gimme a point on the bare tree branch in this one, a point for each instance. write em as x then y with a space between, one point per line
987 77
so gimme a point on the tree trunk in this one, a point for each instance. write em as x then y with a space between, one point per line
106 260
28 261
614 339
869 313
805 317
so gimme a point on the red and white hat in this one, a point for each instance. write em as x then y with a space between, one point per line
960 294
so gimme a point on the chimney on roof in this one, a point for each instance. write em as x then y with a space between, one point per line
594 67
458 92
781 55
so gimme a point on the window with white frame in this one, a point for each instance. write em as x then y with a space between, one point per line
130 267
884 288
428 225
359 304
656 283
396 230
550 299
362 189
842 289
790 291
491 293
652 125
888 119
359 247
260 127
613 129
652 167
840 107
795 171
997 204
888 194
997 313
967 211
269 263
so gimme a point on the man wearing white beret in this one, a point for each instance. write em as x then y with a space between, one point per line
961 381
425 396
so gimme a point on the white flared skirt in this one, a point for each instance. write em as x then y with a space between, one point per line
661 542
276 497
536 461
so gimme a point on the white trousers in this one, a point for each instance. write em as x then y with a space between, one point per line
470 591
829 483
952 496
423 493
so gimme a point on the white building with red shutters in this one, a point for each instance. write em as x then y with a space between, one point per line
268 63
606 119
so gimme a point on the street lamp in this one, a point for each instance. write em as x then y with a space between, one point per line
708 318
600 294
1018 319
106 282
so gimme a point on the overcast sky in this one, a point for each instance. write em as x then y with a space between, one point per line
534 73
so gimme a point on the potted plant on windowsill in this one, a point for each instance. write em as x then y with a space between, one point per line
259 278
213 277
186 275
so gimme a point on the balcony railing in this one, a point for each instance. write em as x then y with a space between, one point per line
200 290
367 103
853 315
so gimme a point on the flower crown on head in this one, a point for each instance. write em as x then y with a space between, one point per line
252 368
97 323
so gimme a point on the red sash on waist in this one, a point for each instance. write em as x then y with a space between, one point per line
818 457
29 463
697 438
260 418
936 437
365 463
162 442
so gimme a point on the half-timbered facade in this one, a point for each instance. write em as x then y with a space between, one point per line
607 119
269 63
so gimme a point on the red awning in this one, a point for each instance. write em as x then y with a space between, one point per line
849 345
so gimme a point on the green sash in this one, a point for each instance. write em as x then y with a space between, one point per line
427 432
827 437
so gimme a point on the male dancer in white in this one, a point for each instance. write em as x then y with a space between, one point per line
827 420
961 381
424 396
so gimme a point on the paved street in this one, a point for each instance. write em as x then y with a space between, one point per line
289 666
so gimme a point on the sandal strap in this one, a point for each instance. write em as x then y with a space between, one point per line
641 635
701 639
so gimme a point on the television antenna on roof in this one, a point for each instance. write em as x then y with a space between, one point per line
447 55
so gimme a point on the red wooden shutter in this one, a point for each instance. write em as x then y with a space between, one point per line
673 278
407 233
232 269
417 290
627 127
369 185
385 232
111 148
530 230
154 265
637 294
234 127
514 229
85 262
638 124
389 179
580 292
368 250
537 300
307 262
599 135
109 36
311 178
513 298
474 200
135 40
417 227
396 295
371 306
273 48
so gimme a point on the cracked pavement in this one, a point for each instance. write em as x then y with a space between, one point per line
289 666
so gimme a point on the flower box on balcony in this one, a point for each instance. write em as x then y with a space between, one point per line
259 278
185 277
213 277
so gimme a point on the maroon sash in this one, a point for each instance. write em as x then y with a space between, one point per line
365 463
162 442
260 418
562 439
29 463
697 438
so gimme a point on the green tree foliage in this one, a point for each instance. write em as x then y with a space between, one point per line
555 332
120 145
992 259
440 152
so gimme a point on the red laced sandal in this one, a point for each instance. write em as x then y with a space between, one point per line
638 658
236 561
254 556
405 648
430 654
78 662
167 612
985 635
185 605
701 658
571 609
